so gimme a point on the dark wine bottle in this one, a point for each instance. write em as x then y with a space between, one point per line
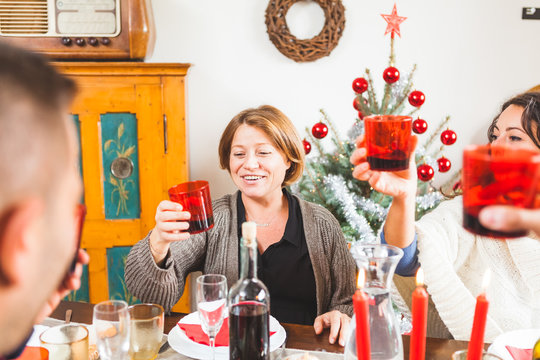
249 305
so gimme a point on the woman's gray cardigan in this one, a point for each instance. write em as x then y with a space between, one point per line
216 251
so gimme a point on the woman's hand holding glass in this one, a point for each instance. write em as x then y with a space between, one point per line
171 225
401 185
398 184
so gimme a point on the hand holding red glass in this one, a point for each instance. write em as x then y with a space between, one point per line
498 175
194 196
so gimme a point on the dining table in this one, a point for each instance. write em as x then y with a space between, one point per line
300 337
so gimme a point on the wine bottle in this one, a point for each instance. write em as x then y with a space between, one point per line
249 305
536 351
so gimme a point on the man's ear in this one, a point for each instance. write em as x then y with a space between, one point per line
18 234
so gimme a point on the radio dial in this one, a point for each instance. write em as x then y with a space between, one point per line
105 41
80 41
66 41
93 41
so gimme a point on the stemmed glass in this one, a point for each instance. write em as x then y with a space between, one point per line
212 304
111 323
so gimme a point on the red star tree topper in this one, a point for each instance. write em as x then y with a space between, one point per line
393 21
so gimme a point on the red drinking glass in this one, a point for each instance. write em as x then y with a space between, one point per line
388 140
498 175
194 196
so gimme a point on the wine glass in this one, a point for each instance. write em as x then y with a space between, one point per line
212 304
111 323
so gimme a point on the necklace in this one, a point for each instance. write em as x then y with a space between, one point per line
267 224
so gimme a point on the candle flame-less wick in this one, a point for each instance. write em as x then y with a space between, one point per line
361 280
486 280
420 277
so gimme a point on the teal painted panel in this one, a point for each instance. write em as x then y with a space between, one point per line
116 262
83 293
119 139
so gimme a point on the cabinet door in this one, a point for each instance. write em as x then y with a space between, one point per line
122 152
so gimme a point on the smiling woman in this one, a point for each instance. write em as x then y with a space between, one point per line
304 260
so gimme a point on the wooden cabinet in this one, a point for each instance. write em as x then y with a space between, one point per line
131 119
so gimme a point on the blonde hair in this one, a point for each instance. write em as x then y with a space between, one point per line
277 127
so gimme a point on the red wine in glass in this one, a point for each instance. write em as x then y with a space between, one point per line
198 224
388 142
471 223
249 336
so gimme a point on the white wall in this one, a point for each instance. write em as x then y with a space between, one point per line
471 56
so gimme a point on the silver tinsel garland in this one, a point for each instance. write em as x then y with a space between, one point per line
336 184
429 200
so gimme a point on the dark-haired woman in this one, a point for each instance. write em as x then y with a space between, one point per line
454 260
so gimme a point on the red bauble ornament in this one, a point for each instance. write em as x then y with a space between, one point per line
319 130
391 75
448 137
359 85
419 126
360 115
425 172
307 146
356 104
417 98
444 164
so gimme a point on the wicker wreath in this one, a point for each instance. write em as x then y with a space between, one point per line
308 49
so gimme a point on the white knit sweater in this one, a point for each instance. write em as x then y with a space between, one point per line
454 262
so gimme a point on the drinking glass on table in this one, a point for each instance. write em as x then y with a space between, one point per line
66 342
111 323
462 355
211 304
146 331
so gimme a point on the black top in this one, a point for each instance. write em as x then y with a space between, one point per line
285 268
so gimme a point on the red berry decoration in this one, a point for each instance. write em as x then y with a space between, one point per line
356 104
359 85
360 115
444 164
417 98
419 126
391 75
425 172
319 130
448 137
307 146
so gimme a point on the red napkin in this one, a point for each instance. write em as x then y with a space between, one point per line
34 353
196 333
519 354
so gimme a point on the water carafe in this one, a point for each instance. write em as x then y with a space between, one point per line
379 263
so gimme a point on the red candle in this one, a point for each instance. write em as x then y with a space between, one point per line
417 350
476 344
361 310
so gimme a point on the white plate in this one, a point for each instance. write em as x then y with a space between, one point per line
522 339
185 346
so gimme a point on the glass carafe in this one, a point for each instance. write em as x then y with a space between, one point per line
379 262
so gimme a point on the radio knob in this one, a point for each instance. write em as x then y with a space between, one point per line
93 41
80 41
105 41
66 41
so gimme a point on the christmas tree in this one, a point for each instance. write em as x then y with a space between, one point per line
328 179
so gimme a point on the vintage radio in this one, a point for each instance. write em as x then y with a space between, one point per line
80 29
